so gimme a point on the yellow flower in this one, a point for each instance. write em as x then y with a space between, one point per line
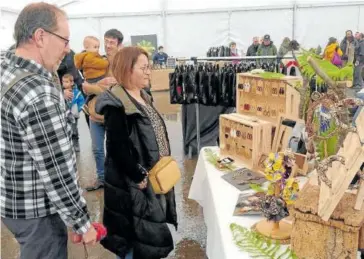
277 166
273 176
270 189
290 191
272 156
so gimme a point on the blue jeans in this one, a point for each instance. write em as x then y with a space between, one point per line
97 131
128 256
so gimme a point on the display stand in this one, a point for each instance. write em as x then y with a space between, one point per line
201 59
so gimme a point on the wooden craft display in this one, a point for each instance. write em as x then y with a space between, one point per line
244 138
267 98
281 141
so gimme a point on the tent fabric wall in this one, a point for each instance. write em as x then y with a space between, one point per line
244 25
191 34
315 25
7 22
186 29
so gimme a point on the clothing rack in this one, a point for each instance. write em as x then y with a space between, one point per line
197 105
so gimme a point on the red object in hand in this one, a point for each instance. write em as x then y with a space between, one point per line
100 229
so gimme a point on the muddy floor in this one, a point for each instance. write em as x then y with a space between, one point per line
190 239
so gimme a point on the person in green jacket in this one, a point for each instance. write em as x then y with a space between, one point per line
267 48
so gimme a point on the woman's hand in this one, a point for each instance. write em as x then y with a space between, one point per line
143 184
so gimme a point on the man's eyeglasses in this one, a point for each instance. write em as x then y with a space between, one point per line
67 41
146 68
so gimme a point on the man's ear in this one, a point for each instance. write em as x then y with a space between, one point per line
120 46
38 37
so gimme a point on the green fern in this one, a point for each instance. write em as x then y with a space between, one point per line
257 245
335 73
213 159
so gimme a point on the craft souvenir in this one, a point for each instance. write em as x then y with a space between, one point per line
274 86
253 106
282 90
243 177
247 87
260 87
267 88
259 109
248 204
274 111
282 190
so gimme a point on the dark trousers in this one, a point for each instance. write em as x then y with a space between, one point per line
41 238
75 130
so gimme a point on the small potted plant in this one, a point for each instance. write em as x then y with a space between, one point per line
282 192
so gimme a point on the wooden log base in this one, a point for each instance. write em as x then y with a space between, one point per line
280 232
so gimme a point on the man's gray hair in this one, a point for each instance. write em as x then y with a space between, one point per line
33 17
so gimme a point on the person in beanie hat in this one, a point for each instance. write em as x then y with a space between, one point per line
267 48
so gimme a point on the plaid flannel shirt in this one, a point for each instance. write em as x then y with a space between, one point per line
37 160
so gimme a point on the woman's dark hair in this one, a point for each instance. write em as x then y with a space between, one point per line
124 62
332 40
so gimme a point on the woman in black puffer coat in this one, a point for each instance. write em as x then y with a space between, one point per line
136 138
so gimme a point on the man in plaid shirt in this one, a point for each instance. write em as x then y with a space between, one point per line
38 183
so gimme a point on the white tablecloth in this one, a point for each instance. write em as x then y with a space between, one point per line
218 199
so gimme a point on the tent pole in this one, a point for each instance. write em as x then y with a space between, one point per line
294 18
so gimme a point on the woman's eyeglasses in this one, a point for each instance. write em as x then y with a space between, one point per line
146 68
67 41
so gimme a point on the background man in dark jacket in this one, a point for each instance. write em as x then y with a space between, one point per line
160 58
348 46
252 50
359 63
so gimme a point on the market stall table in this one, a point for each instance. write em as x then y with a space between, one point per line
218 199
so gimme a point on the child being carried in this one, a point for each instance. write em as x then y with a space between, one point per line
93 65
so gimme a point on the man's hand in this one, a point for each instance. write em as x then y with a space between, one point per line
108 81
90 237
85 87
357 63
68 94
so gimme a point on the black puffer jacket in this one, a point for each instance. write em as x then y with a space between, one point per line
133 217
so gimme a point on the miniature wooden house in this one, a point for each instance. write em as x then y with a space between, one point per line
244 138
340 237
267 98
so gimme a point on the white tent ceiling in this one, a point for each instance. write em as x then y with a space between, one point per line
76 7
190 27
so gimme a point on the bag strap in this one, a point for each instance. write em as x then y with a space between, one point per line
13 82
